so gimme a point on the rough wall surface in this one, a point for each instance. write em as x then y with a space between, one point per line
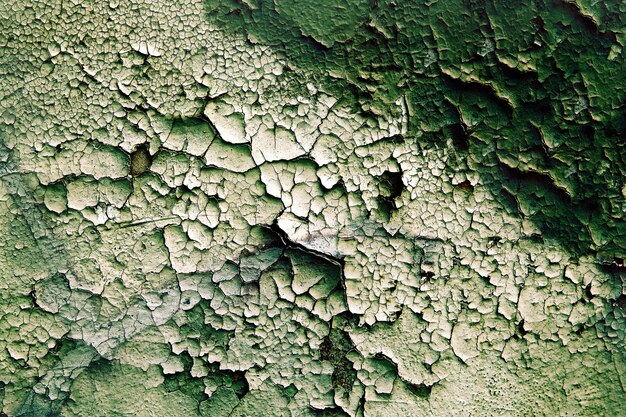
312 208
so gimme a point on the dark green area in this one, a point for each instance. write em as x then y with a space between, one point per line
140 161
334 349
530 93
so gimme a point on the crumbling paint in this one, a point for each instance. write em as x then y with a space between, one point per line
301 208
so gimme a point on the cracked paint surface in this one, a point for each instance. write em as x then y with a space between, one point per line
304 208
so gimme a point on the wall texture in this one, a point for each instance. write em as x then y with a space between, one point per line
312 208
